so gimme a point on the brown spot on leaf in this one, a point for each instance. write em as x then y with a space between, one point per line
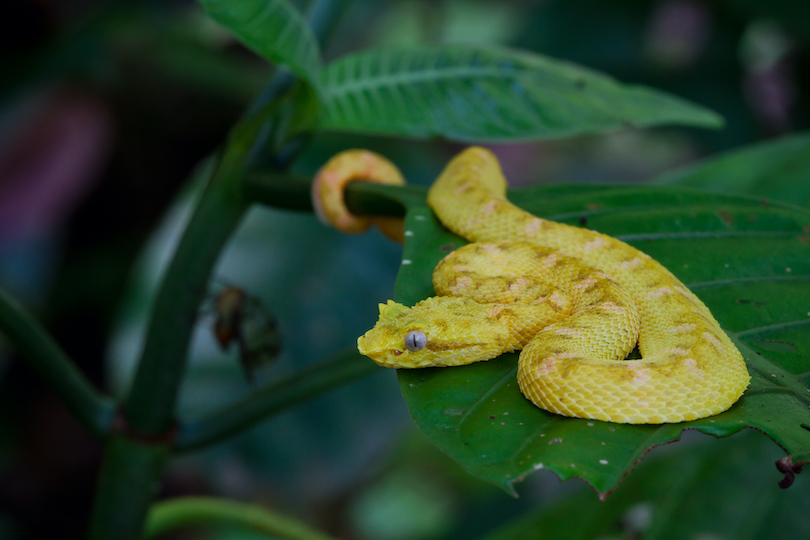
726 217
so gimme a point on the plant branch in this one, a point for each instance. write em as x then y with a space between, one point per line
382 200
127 483
303 385
135 455
150 405
283 191
322 16
176 513
90 407
291 192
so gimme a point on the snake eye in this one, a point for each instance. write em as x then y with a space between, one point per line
415 340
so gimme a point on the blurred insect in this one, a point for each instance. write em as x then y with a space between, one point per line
243 319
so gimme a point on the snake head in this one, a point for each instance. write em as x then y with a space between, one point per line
439 331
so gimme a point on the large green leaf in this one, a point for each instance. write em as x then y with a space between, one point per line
711 490
749 261
273 29
777 169
486 93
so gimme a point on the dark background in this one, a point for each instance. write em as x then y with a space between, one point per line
106 108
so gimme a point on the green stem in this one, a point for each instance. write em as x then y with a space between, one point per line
90 407
128 481
176 513
134 457
362 198
322 16
307 383
382 200
150 405
282 191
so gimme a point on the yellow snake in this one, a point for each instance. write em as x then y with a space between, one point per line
575 301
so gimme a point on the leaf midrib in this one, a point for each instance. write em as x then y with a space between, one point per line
738 281
337 90
657 209
773 327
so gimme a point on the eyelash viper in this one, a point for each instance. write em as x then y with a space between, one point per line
574 300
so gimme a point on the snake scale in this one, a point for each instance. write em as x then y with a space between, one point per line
574 301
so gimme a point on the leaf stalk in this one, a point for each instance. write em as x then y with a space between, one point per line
94 410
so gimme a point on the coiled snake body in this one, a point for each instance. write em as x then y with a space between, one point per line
575 301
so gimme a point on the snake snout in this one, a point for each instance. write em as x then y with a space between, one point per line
376 345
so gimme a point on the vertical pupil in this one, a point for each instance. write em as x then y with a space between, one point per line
415 340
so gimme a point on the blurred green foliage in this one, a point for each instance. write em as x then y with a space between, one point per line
352 462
